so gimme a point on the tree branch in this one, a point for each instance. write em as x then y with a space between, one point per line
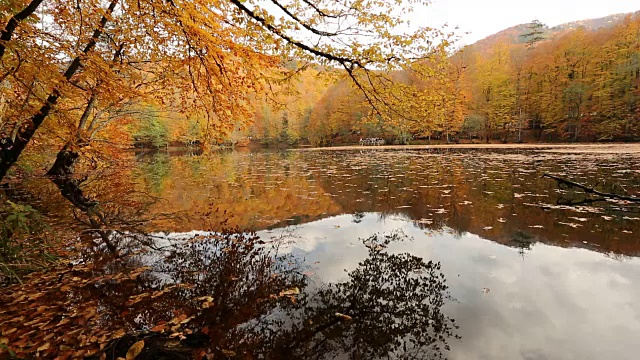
589 190
325 55
302 23
13 23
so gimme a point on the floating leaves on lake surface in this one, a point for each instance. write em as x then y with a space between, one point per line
343 316
578 218
463 189
81 308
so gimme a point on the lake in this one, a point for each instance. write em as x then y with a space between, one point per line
513 265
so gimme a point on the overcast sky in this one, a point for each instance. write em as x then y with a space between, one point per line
485 17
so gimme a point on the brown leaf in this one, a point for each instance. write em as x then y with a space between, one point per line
135 350
158 328
10 331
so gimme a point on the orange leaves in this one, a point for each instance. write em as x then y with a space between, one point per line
45 316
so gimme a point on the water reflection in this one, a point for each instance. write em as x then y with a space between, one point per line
555 303
567 275
497 194
236 296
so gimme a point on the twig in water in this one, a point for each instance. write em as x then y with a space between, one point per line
591 190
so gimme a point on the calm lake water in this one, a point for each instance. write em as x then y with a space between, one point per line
534 270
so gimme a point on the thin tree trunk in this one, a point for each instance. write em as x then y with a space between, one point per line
10 155
86 113
520 126
13 23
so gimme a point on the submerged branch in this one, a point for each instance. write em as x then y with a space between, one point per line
591 190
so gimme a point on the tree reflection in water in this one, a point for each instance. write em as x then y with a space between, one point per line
233 296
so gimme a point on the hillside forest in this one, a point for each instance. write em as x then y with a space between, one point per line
577 84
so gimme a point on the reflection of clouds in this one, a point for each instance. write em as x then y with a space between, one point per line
555 303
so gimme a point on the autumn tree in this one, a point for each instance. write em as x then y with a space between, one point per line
494 91
203 57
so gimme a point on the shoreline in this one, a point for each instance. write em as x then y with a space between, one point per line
573 148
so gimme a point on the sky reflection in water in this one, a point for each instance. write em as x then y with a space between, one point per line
544 303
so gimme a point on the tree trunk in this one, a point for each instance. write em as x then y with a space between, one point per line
13 23
70 190
65 162
10 155
61 173
540 134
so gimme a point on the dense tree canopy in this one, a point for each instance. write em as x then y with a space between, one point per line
77 68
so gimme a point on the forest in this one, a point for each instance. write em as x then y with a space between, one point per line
575 85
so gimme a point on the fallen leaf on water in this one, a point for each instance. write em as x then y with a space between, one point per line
578 218
158 328
292 291
10 331
207 304
573 225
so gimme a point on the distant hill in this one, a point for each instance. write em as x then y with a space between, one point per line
514 34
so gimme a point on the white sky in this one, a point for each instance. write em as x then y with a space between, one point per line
485 17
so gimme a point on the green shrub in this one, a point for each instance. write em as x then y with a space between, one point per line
23 242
